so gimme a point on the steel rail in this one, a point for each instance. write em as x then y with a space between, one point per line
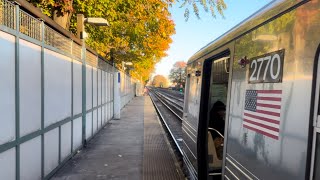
169 108
179 108
164 121
172 96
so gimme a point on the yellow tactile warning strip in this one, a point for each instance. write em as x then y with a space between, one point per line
158 158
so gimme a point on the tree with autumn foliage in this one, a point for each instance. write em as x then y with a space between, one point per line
59 10
178 73
140 30
159 81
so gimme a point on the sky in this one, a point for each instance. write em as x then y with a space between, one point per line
195 33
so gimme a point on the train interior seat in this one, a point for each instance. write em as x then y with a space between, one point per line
215 164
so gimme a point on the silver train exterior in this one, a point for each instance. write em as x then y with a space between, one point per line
293 152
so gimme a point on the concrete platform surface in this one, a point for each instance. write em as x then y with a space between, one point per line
132 148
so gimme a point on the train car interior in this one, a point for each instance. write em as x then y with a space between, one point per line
215 102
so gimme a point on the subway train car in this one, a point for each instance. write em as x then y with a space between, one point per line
252 98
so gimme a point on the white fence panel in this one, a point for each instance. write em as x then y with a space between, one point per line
77 133
77 87
7 87
8 164
89 125
30 87
99 118
89 87
95 121
65 140
95 87
57 87
30 159
51 150
99 87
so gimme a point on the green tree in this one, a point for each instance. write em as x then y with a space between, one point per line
178 73
208 5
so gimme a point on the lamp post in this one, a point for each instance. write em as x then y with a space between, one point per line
81 20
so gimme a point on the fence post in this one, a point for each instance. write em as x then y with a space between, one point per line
116 95
17 89
84 93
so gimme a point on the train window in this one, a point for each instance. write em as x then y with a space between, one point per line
219 81
216 114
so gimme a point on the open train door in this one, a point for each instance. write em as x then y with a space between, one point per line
212 120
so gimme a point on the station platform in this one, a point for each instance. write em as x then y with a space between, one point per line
132 148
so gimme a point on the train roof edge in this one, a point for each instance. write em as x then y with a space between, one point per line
263 15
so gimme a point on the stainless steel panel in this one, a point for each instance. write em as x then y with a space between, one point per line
237 170
285 158
191 113
190 150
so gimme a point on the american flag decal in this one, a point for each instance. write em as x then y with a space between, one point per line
262 112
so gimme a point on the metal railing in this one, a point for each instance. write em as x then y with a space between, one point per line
30 26
7 14
76 50
57 40
91 59
36 29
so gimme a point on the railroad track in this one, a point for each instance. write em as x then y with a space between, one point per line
176 97
171 104
170 114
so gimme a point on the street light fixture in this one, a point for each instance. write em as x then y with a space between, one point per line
81 20
97 21
124 64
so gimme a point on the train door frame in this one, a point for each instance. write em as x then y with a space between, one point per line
315 124
202 139
186 94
